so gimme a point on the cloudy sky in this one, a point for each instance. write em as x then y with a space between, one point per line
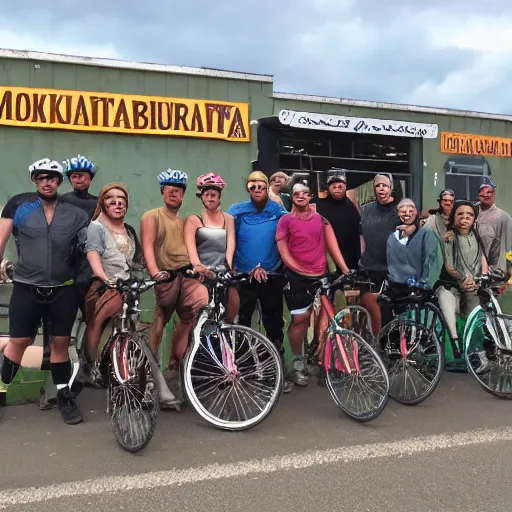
451 53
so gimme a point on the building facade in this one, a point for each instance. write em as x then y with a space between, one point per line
135 120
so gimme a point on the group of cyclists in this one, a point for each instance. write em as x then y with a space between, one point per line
69 246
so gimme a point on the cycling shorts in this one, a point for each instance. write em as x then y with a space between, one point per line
298 300
29 304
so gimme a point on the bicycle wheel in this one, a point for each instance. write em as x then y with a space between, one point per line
363 392
133 392
233 377
414 358
357 319
479 337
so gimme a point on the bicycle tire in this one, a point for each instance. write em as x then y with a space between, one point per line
202 410
330 375
484 379
386 350
362 327
149 413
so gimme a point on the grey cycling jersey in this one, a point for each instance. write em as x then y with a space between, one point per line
45 251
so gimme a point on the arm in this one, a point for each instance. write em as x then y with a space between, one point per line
485 266
147 237
288 260
5 233
95 262
333 249
231 240
189 234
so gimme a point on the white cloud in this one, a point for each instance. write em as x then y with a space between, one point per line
31 41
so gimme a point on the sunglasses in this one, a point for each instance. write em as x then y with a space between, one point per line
46 178
257 187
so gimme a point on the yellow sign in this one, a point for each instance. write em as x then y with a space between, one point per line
468 144
121 113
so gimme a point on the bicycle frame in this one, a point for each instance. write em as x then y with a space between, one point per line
496 315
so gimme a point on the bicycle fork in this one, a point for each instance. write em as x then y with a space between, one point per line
344 365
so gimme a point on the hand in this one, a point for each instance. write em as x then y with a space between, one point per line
468 285
161 275
4 266
258 273
449 236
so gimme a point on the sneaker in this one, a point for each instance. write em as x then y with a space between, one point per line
484 362
95 378
167 399
45 403
67 407
300 372
287 386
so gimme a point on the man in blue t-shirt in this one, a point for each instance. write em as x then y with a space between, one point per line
256 252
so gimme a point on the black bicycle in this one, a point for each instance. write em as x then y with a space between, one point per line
411 344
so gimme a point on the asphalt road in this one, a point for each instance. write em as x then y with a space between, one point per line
451 453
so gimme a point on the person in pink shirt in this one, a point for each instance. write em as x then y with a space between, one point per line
303 236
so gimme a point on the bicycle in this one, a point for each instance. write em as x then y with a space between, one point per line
411 345
355 374
232 374
130 369
488 329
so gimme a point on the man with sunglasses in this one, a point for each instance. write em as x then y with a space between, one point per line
47 232
256 252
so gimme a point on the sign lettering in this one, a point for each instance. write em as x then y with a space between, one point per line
468 144
129 114
316 121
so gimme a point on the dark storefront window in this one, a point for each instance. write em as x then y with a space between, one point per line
464 175
315 152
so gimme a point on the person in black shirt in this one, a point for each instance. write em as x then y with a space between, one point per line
80 172
344 217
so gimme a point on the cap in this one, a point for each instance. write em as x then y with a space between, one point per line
336 176
487 182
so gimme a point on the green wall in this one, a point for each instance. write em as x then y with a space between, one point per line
132 159
501 168
136 160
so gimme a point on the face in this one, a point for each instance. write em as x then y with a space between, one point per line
80 181
407 214
446 203
258 191
487 196
301 198
211 199
173 196
382 191
114 204
464 218
337 190
277 184
47 184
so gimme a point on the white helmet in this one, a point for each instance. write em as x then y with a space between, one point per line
46 165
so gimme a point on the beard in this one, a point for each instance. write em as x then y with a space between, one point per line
47 198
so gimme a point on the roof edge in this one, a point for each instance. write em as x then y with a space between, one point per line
390 106
139 66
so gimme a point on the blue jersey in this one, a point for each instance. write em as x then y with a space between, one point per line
256 235
45 250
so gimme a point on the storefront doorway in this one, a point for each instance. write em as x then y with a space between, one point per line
361 155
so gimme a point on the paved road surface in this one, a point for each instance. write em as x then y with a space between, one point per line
451 453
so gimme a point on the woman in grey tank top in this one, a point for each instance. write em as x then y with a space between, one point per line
210 237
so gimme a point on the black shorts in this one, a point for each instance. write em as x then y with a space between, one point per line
30 303
298 300
377 277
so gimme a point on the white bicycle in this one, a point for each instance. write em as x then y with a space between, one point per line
232 375
488 333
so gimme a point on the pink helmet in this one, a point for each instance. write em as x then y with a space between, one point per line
210 180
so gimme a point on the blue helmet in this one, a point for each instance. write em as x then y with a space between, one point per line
173 177
79 164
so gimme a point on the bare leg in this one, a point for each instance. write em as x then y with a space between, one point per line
369 302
